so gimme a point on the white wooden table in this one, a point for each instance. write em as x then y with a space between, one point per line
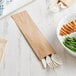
19 59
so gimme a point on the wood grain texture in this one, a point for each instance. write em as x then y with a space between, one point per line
35 38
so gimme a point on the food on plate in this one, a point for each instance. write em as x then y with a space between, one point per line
68 28
70 43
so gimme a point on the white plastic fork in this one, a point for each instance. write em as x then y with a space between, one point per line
52 61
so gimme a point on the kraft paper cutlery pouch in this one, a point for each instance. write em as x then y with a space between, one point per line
2 47
35 38
68 3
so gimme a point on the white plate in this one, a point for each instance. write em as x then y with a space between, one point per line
65 20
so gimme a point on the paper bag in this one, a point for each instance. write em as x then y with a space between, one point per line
2 47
